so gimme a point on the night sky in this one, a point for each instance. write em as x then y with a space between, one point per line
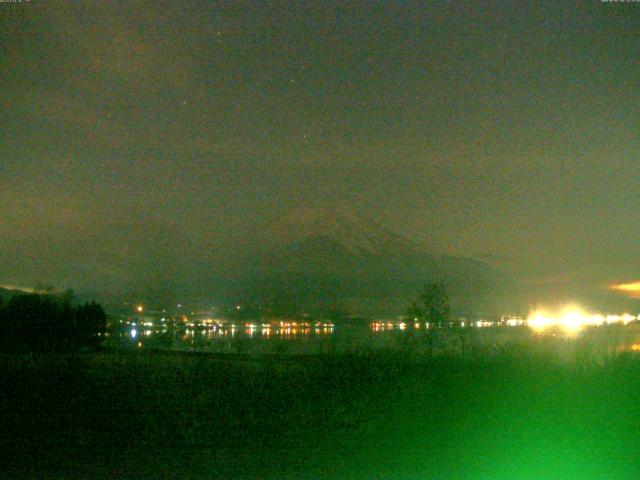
140 140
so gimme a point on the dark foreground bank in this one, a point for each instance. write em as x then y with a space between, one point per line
151 415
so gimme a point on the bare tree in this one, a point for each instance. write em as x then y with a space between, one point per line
431 311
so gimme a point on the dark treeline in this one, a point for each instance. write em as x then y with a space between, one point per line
47 322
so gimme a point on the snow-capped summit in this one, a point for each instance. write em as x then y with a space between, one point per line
353 231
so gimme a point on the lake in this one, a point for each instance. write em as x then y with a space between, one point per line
313 338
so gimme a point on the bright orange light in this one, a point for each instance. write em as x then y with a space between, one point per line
139 309
632 289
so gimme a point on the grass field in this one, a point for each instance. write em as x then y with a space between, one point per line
170 415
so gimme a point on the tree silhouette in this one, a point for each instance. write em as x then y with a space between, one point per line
431 309
90 324
36 323
431 306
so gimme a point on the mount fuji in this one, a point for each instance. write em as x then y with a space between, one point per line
317 258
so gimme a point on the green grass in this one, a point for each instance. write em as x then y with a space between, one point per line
155 415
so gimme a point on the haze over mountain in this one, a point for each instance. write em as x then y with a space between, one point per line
355 233
337 258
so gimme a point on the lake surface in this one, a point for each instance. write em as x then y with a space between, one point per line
328 338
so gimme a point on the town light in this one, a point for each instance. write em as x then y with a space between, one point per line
573 319
631 289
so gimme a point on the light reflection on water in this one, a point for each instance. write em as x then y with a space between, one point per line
284 337
327 338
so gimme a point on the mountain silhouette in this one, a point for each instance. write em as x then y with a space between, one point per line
335 258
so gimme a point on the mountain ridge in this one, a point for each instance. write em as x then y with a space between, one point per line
355 231
310 256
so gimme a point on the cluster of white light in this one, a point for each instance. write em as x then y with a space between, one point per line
514 322
483 324
572 319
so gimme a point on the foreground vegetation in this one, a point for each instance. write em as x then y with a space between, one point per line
168 415
50 322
